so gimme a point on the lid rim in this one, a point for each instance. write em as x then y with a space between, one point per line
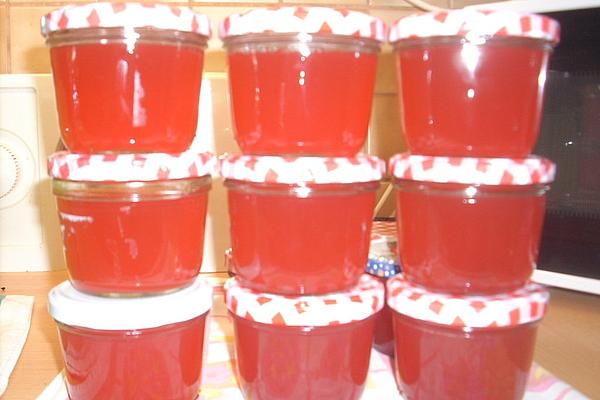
519 307
125 14
71 307
338 308
304 19
472 170
301 170
475 24
130 167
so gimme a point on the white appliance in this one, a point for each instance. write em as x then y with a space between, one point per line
29 232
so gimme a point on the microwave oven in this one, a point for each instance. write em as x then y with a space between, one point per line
570 136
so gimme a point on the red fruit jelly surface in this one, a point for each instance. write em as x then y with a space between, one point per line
316 102
288 242
295 362
154 363
120 247
436 362
118 97
466 239
465 99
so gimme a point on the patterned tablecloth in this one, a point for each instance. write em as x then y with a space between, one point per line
219 380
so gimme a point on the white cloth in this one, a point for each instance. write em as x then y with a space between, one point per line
15 320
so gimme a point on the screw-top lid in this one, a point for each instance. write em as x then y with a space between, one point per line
521 306
125 15
72 307
471 170
321 20
130 167
296 170
475 25
356 304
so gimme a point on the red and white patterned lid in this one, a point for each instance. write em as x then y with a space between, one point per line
125 15
307 20
472 170
125 167
475 25
356 304
521 306
296 170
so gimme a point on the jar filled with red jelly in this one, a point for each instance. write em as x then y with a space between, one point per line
132 224
139 348
300 225
304 347
126 75
471 82
464 347
383 264
301 79
470 225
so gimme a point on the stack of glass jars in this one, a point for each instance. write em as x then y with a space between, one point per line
131 198
470 201
301 200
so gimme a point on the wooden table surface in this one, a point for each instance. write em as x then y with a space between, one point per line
568 339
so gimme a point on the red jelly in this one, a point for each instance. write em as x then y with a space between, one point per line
127 77
132 224
450 347
146 347
300 225
471 82
305 347
470 225
302 79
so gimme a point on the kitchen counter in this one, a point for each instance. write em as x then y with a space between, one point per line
568 339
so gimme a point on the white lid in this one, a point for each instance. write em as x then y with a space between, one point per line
126 15
72 307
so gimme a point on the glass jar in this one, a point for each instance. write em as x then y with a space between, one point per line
303 237
129 80
449 346
460 232
297 88
149 347
300 347
130 237
471 83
